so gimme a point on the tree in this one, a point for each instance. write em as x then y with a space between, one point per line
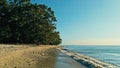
24 22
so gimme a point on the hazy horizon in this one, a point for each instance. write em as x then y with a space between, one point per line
87 22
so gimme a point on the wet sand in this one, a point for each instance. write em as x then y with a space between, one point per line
17 56
64 61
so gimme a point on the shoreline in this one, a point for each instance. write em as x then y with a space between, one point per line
86 60
64 61
46 56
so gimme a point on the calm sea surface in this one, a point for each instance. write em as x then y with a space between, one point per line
109 54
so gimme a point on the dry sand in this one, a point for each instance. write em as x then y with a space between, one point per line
16 56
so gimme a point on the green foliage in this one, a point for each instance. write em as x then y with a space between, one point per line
24 22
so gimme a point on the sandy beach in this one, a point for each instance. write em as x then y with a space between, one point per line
27 56
23 56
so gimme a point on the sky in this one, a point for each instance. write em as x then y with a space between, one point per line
87 22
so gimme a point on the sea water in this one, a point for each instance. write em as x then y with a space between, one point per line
109 54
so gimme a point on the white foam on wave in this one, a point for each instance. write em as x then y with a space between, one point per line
88 60
113 54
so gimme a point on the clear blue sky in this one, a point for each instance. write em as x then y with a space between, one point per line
87 21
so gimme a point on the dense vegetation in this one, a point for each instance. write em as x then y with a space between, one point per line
24 22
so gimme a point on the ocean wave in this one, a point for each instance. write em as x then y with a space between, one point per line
86 60
112 54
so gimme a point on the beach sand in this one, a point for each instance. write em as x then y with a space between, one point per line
17 56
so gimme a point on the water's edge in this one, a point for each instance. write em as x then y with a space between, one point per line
86 60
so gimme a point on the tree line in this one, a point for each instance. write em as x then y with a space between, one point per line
24 22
